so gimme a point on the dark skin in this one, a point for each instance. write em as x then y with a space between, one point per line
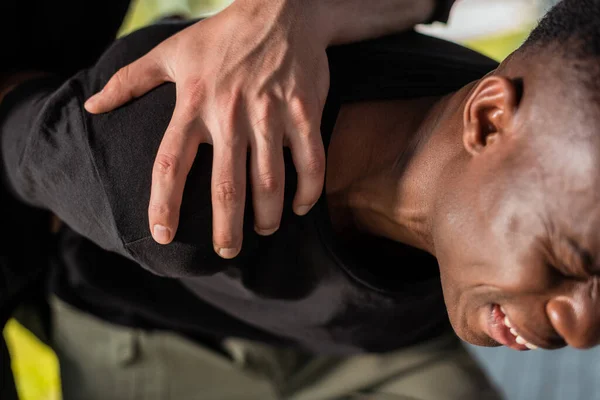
500 184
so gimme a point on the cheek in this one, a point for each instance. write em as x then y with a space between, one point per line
486 263
509 279
527 274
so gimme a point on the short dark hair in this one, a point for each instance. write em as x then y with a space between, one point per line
570 34
574 26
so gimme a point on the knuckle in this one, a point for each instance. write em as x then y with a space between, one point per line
314 167
166 165
160 210
268 184
121 77
226 193
225 239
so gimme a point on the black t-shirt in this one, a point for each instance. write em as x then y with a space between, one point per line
299 286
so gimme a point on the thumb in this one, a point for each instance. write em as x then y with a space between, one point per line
131 81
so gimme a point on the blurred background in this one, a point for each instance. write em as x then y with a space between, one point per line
492 27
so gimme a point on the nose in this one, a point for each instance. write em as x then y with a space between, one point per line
576 318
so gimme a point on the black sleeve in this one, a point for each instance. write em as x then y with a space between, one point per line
46 159
94 172
23 268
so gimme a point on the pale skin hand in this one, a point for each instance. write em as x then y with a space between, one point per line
252 79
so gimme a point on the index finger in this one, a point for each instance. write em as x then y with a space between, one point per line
173 162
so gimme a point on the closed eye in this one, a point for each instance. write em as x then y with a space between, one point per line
562 271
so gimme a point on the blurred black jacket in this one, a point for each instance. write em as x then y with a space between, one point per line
61 37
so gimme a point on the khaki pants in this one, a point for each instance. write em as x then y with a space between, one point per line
102 361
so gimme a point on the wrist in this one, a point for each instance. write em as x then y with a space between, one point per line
303 17
346 21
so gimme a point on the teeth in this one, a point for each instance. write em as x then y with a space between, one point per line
514 332
524 342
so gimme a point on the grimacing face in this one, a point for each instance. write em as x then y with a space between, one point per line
518 240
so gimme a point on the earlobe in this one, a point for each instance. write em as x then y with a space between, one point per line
488 113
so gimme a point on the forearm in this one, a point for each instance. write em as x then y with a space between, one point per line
334 22
354 20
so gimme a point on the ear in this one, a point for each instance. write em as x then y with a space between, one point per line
489 112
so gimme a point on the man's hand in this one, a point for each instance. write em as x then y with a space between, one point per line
254 77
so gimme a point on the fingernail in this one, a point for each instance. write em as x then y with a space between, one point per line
161 234
228 253
303 210
265 232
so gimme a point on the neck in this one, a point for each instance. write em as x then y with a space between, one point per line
384 166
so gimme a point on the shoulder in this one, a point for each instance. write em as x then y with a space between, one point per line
404 65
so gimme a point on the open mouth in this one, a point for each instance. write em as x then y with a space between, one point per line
503 331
